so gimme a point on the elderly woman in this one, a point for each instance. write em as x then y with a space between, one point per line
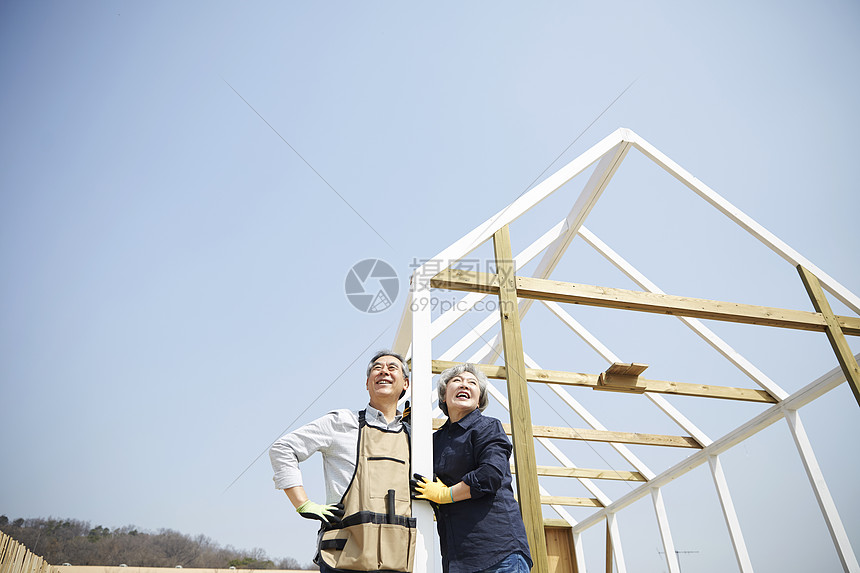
479 522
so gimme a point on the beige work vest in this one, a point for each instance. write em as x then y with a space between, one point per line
378 531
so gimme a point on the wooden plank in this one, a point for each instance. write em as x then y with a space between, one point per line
834 331
590 295
559 549
610 436
591 381
532 374
528 487
698 390
622 377
558 291
557 471
624 369
570 501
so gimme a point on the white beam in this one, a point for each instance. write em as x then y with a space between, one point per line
731 516
403 336
611 358
585 202
805 395
426 556
695 325
589 419
822 494
665 532
746 222
535 195
615 536
467 302
592 190
578 553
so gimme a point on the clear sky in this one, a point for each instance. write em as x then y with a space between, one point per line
172 294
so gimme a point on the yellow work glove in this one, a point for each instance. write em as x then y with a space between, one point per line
434 491
328 514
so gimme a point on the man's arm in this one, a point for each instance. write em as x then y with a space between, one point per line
297 495
297 446
308 509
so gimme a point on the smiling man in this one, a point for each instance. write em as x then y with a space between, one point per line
367 522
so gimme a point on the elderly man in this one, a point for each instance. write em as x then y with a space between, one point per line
367 522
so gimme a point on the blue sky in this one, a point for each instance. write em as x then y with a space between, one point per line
172 294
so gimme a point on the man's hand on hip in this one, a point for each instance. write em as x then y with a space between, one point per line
328 514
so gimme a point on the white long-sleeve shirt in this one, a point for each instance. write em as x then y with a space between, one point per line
335 436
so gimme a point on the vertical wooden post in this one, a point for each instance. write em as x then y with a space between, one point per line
834 331
525 462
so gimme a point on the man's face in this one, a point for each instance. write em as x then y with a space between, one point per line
386 380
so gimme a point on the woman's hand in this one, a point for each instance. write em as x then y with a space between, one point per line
437 492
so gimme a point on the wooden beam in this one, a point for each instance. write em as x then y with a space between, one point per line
834 330
570 501
587 435
573 293
700 390
591 381
610 436
623 377
528 487
557 471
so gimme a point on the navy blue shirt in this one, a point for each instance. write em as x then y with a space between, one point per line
479 532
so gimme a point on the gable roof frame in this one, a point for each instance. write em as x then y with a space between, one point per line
416 331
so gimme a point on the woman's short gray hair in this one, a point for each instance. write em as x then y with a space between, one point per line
445 377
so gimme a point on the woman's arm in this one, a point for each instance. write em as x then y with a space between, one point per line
461 491
493 453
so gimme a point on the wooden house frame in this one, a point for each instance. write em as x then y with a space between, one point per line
515 296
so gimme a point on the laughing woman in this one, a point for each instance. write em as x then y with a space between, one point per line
479 522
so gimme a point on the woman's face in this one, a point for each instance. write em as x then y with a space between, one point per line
461 395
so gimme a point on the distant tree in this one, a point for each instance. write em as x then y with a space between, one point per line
251 563
289 563
79 543
97 532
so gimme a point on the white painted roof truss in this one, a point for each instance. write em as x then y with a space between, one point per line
417 331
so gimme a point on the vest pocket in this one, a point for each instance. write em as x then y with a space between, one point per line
396 547
369 547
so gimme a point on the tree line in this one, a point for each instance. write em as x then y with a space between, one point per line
76 542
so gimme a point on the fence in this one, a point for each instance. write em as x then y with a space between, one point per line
16 558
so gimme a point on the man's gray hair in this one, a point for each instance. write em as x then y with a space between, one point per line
445 376
385 352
